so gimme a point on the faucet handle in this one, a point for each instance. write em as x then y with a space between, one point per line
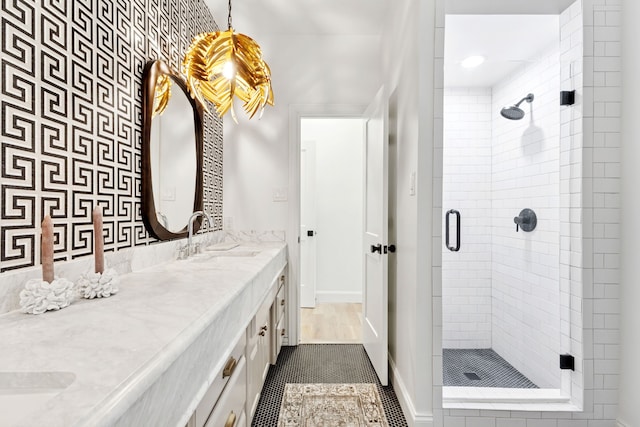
527 220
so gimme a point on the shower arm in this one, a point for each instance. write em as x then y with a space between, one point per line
527 98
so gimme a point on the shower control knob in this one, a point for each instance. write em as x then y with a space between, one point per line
526 220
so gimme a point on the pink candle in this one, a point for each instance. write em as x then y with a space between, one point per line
46 246
98 239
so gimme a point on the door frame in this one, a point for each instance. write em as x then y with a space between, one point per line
297 112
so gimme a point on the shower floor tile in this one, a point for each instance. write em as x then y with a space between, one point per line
480 368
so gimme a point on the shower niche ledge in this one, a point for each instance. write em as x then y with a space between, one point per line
508 399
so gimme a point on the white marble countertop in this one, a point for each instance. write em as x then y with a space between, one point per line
120 348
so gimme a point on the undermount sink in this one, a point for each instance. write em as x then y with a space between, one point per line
22 392
34 382
210 255
233 254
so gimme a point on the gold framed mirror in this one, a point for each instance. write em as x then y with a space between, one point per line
172 150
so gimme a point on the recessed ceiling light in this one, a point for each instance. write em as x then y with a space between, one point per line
472 61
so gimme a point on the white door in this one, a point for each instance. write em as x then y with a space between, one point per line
308 224
374 310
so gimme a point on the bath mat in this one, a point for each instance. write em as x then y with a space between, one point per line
331 405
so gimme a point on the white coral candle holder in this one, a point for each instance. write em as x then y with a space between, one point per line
98 285
39 295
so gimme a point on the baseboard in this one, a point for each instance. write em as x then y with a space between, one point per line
406 403
337 296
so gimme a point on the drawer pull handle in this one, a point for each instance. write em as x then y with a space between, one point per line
231 420
229 367
282 333
281 302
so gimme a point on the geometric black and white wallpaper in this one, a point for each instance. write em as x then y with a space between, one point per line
71 104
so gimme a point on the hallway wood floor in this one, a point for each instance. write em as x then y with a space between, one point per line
331 323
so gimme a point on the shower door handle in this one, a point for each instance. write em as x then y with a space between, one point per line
455 248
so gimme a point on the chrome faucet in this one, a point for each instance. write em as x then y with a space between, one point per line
192 219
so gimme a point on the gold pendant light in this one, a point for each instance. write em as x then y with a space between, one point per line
224 64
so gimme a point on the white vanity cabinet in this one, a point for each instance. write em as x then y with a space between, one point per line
232 398
187 361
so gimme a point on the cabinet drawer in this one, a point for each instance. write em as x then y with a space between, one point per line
228 372
229 409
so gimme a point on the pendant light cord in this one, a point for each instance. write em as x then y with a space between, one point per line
229 17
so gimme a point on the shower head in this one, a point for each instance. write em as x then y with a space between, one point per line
515 112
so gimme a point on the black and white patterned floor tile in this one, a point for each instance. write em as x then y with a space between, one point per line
321 363
480 368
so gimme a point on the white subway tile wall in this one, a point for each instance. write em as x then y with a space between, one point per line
589 226
525 265
601 174
466 275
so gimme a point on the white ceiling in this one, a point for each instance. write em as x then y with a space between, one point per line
506 41
303 17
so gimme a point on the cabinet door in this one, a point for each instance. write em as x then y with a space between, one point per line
279 336
277 320
258 355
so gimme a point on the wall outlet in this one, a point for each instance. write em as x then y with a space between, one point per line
169 194
228 223
280 194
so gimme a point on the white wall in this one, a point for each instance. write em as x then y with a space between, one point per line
326 74
525 265
629 414
307 70
339 203
408 59
466 274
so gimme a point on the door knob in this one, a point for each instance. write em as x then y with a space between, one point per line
392 248
376 248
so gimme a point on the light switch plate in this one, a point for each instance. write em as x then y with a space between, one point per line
412 184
